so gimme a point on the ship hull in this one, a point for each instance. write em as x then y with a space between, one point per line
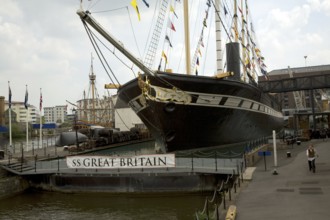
189 112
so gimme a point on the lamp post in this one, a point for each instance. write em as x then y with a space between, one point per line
75 127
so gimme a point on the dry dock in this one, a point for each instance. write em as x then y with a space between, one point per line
190 174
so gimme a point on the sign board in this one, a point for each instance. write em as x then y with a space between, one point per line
115 162
264 153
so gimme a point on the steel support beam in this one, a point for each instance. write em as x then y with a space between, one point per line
296 84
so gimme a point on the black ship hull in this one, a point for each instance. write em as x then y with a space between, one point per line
186 112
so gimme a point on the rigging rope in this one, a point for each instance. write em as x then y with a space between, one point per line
130 20
113 52
110 10
89 33
97 49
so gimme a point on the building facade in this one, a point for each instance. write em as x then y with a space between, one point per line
22 114
57 114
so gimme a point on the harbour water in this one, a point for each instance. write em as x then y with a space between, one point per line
45 205
51 205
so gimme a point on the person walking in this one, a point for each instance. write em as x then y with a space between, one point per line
311 155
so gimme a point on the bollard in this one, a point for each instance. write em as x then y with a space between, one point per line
229 193
192 161
231 213
58 164
35 163
216 162
288 154
224 199
207 208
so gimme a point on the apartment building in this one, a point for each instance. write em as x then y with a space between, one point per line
56 114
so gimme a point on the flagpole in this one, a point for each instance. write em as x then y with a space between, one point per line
27 128
40 141
27 118
9 102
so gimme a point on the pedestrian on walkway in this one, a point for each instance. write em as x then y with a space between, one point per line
311 155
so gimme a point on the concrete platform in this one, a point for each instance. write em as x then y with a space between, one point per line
295 193
248 173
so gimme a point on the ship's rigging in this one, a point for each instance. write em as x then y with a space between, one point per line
251 53
93 109
162 100
250 61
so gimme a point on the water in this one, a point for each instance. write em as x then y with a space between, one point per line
46 205
52 205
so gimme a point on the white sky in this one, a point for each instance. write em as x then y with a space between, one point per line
43 43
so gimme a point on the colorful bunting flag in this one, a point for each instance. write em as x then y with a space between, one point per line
252 29
146 3
164 55
204 23
225 10
135 6
168 40
240 10
172 10
208 3
202 44
171 26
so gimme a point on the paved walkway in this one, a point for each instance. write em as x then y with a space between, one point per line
295 193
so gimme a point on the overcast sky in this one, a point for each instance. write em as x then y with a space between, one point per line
43 43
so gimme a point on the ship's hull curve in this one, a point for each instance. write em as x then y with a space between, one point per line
208 113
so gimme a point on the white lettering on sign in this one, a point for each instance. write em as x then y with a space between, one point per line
108 162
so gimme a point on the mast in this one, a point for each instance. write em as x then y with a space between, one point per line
235 21
233 52
86 17
243 42
92 78
218 36
86 116
186 34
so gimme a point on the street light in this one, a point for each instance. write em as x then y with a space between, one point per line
76 127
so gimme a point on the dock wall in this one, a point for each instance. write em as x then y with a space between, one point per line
252 157
128 183
11 185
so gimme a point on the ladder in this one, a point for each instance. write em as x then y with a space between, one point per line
153 44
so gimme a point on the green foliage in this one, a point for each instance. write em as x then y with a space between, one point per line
66 124
17 132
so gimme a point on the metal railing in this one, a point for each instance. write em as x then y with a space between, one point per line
24 166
